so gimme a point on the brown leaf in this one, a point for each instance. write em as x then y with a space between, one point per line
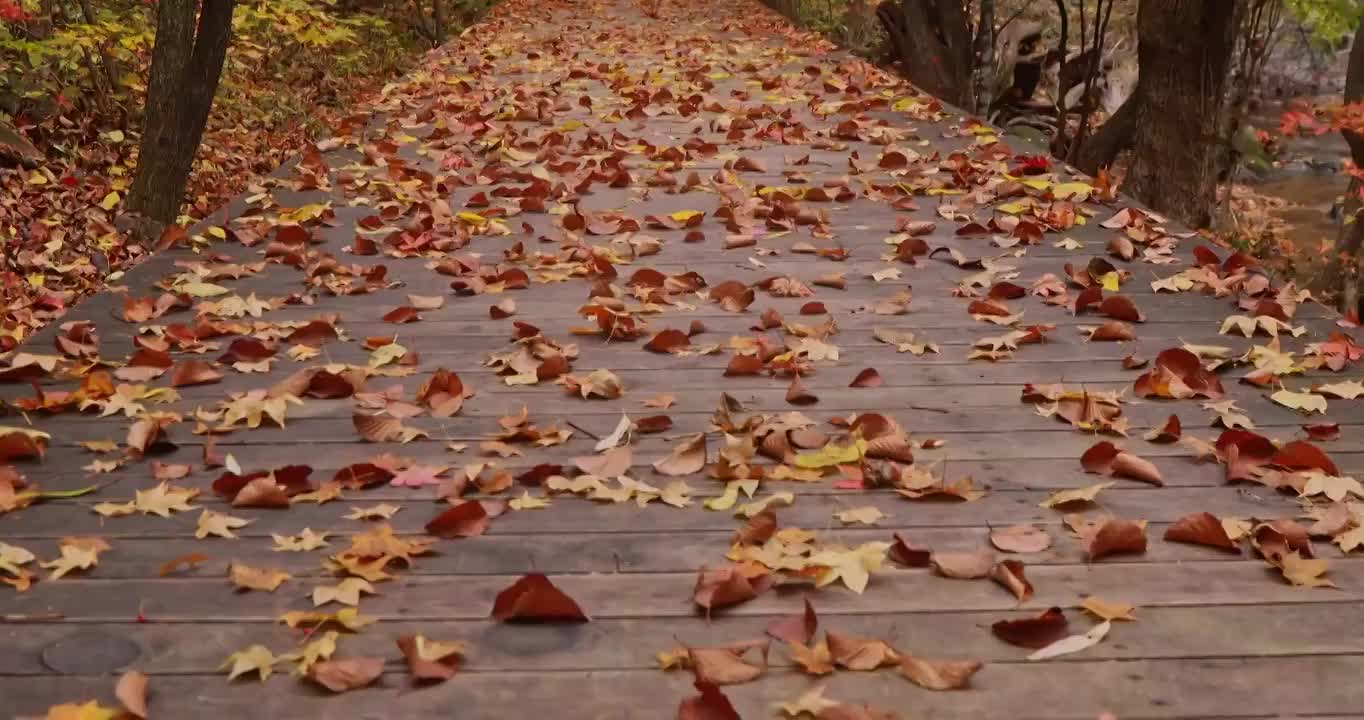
349 674
859 653
758 529
963 565
668 341
1201 528
534 597
798 394
430 660
688 457
1116 537
903 553
131 691
868 378
1106 458
1009 573
812 660
726 586
1021 539
1170 431
728 665
799 628
467 519
939 674
710 704
1033 632
195 372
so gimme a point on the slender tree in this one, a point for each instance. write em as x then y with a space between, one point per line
1352 229
192 38
1171 121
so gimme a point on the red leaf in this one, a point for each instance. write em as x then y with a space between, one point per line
467 519
798 628
1033 632
534 597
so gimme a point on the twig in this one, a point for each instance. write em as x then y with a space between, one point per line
35 617
583 430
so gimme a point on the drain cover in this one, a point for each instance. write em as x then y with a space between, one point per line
90 652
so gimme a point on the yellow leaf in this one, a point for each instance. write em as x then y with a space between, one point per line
217 232
1111 281
302 542
37 178
854 567
832 454
528 502
1106 610
201 289
313 652
257 659
731 495
110 201
76 554
472 218
866 515
685 215
89 711
1084 494
748 510
219 524
903 104
346 592
1076 191
254 578
1303 402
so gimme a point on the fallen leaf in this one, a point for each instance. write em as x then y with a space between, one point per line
1020 539
1033 632
1073 643
535 598
349 674
939 674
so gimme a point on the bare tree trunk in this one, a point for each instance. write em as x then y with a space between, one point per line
984 50
1352 226
438 19
187 63
1114 136
932 40
1184 48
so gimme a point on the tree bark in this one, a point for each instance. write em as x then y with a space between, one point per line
1114 136
187 63
1184 49
932 41
1352 226
983 76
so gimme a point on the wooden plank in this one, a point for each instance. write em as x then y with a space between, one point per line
1234 688
624 644
637 551
567 514
622 595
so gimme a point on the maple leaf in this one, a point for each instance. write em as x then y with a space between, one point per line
77 553
302 542
348 618
219 524
164 499
312 652
346 592
247 577
854 567
257 659
866 515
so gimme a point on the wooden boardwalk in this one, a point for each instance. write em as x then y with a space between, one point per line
587 119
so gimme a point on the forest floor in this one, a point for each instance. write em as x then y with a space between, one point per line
682 366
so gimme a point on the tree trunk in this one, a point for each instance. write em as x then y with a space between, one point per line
438 19
932 41
983 76
1352 227
1184 48
1114 136
186 67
